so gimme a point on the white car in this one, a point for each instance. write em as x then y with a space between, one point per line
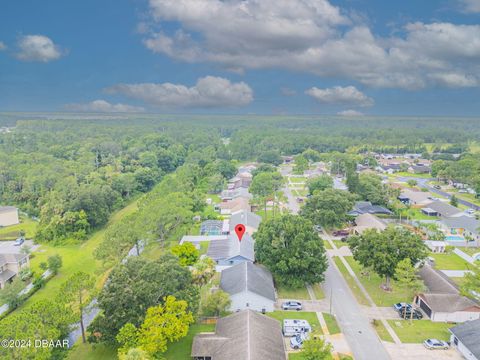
434 344
292 305
296 342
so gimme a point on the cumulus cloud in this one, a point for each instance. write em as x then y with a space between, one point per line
316 37
38 48
470 6
350 112
2 46
340 95
208 92
104 107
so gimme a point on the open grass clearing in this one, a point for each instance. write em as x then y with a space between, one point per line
292 293
417 331
13 232
450 261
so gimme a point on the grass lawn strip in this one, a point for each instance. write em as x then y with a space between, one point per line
382 331
332 324
318 291
351 282
450 262
292 294
419 330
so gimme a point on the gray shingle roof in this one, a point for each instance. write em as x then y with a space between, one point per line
448 302
11 258
246 218
247 276
6 275
463 222
7 208
436 282
366 207
469 334
231 247
245 335
443 208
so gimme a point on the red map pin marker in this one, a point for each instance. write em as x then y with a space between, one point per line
240 230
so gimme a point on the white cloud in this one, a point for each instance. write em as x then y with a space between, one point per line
340 95
470 6
316 37
104 107
208 92
2 46
351 113
38 48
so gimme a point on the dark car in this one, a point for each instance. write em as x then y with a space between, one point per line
402 306
342 233
408 314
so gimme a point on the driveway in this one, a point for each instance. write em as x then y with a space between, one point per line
307 305
7 247
418 351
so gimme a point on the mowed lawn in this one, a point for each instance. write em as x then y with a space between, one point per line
372 283
292 293
450 262
13 232
419 330
311 317
181 350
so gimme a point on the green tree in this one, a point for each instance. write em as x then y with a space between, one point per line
134 354
74 292
264 187
187 253
412 182
382 251
316 348
471 286
291 249
454 201
328 208
203 270
9 294
319 183
163 324
216 304
301 164
127 337
54 263
270 157
407 278
371 188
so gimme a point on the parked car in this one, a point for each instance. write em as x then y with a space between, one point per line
317 228
296 342
470 211
401 306
434 344
407 314
341 233
292 305
19 241
438 187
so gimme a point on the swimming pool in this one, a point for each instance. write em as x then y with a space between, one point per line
454 238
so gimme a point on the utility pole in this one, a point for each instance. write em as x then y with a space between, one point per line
331 297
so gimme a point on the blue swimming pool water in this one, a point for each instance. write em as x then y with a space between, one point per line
454 238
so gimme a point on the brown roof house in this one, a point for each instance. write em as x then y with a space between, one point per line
368 221
232 206
10 266
245 335
443 302
8 216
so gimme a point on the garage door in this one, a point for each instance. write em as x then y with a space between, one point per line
425 308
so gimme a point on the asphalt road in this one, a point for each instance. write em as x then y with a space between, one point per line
424 184
356 327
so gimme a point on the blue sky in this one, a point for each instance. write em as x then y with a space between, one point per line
346 57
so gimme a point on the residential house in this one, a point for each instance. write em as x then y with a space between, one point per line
227 195
245 335
465 226
368 221
232 206
250 287
436 246
247 218
10 266
234 183
442 209
366 207
338 184
415 198
443 302
419 169
246 179
8 216
466 339
287 159
231 251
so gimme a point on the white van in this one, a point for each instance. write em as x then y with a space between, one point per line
292 327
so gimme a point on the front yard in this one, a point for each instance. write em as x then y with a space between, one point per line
450 262
292 293
13 232
419 330
372 283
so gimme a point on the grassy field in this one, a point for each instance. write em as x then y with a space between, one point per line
297 179
382 331
470 250
340 243
293 294
419 330
407 174
416 214
181 350
318 291
372 284
13 232
351 282
92 352
311 317
332 324
450 262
